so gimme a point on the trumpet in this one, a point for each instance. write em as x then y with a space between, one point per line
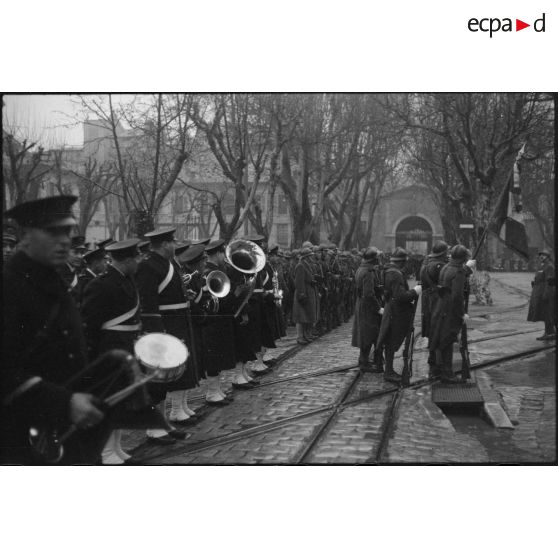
187 277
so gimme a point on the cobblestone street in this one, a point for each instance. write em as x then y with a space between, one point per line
258 428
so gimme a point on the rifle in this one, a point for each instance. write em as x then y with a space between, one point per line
464 343
407 371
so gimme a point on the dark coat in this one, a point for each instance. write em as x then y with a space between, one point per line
43 340
150 275
398 310
105 298
270 330
447 314
429 275
305 298
366 325
83 280
218 332
541 304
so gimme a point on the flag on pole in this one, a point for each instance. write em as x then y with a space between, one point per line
507 223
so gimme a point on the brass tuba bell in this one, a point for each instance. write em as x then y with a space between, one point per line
218 284
245 256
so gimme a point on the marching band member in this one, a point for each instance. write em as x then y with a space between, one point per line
95 264
304 306
43 340
163 309
111 315
218 329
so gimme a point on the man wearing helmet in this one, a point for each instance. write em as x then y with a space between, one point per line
429 275
368 309
398 313
448 313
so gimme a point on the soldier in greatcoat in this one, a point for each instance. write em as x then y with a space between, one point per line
543 296
163 309
398 312
305 304
448 313
368 309
43 341
429 275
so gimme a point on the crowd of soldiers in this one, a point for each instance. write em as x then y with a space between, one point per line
73 315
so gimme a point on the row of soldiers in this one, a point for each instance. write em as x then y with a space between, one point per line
386 306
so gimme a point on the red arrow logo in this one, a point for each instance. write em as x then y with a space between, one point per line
519 25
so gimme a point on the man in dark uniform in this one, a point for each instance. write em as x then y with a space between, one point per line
305 298
111 316
448 313
368 309
9 244
43 341
71 269
429 275
542 302
95 264
163 309
398 313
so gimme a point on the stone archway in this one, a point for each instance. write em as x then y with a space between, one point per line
414 233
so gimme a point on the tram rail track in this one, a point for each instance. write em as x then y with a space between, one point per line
332 410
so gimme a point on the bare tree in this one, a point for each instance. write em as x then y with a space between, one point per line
147 156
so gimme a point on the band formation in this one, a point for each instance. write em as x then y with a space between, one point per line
113 337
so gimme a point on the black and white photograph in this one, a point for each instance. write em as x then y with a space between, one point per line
278 279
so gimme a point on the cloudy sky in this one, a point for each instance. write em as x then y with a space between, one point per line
47 118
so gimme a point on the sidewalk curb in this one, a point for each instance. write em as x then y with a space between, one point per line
492 408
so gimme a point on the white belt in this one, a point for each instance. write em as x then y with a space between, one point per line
122 318
134 327
74 282
28 384
166 280
269 291
258 291
173 306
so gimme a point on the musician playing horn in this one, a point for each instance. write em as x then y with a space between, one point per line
43 341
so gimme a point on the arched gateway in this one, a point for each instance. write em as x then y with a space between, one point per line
414 234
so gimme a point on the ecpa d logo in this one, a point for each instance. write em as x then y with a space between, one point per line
492 25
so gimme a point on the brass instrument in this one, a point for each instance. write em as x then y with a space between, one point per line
277 292
248 258
218 285
187 277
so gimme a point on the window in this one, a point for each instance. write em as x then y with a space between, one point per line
282 206
283 235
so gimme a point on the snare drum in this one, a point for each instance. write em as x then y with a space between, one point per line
161 353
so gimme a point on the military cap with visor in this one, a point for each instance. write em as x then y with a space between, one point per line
215 246
124 249
161 235
93 255
44 213
193 255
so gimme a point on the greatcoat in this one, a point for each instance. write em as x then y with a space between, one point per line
305 297
429 275
398 311
447 315
366 325
541 304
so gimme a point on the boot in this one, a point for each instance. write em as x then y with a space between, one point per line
449 377
190 412
177 413
109 456
213 393
434 372
118 446
392 376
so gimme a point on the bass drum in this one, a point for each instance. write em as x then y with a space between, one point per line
162 356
